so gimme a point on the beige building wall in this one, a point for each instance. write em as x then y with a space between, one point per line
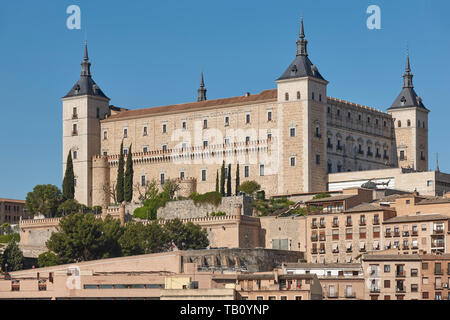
291 230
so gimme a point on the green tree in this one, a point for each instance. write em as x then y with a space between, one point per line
321 195
154 201
185 237
47 259
249 187
171 186
222 179
128 182
132 239
120 177
217 181
112 231
238 179
69 180
6 229
83 237
44 199
12 258
68 207
229 181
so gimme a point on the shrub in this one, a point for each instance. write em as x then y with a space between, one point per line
217 214
214 198
321 195
47 259
249 187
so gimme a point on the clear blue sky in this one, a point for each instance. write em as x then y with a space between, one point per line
150 53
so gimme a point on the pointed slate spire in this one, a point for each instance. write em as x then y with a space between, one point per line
302 42
86 85
408 76
85 65
202 90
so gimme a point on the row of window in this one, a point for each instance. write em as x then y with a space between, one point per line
299 96
182 175
360 117
420 124
14 208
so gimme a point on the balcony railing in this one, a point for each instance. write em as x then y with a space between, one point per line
335 225
388 235
75 116
374 290
314 238
400 290
376 221
75 132
405 234
438 272
400 274
396 234
314 251
438 231
414 233
348 224
313 226
322 225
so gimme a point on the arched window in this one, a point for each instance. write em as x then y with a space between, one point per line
298 95
399 124
286 96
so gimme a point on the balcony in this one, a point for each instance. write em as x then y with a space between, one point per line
414 233
378 156
361 152
313 226
388 235
405 234
335 225
75 116
336 250
362 223
405 247
438 272
438 231
374 290
400 274
376 221
322 225
330 146
322 251
400 290
348 250
339 148
397 234
314 250
332 296
348 224
314 238
370 154
350 296
349 236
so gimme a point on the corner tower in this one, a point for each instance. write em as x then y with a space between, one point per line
302 99
411 125
83 108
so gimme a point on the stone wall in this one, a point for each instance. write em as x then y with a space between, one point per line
186 209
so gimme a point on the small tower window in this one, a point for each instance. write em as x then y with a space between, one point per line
292 132
164 128
408 123
298 95
143 182
261 170
269 116
74 113
247 118
292 161
75 129
125 132
286 96
98 113
320 97
246 171
145 131
317 159
162 178
399 124
105 135
184 125
312 96
75 154
227 121
205 123
203 174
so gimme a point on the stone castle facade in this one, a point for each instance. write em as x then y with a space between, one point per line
287 139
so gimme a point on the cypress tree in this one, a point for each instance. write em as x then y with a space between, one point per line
128 183
217 181
120 178
69 180
238 179
229 181
222 179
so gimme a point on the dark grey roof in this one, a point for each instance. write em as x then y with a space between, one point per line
301 66
407 97
86 85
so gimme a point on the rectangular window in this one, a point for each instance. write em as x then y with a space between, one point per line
164 128
143 183
162 178
145 149
98 113
247 140
205 144
184 125
292 161
75 154
317 159
74 129
105 135
227 121
292 132
205 123
181 175
269 116
246 171
203 174
261 170
164 147
247 118
145 131
125 132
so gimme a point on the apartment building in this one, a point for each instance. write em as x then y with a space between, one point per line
11 210
392 276
413 234
435 274
340 281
